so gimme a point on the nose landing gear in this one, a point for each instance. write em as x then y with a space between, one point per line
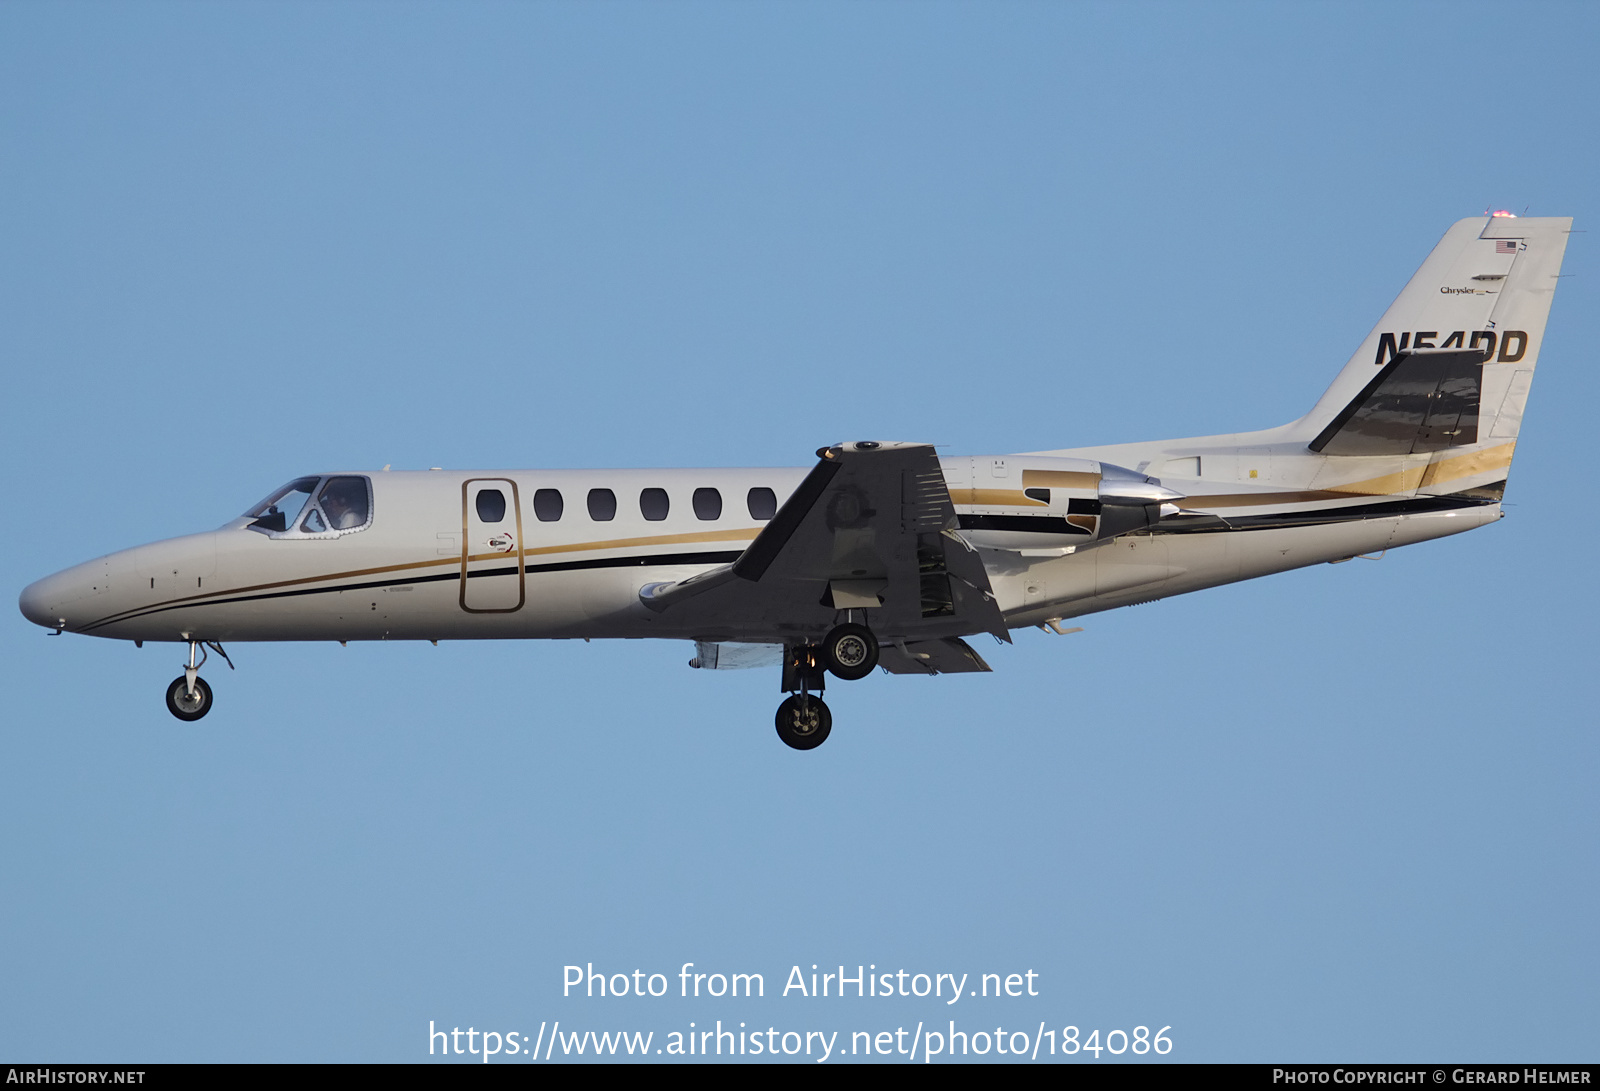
188 703
189 697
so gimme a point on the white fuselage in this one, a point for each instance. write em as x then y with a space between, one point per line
426 568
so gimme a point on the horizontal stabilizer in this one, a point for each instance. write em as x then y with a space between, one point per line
1419 402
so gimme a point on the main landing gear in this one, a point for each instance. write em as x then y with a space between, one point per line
848 652
804 721
189 697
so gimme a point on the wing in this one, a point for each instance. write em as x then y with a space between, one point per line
870 528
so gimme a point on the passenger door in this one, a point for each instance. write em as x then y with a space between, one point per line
492 580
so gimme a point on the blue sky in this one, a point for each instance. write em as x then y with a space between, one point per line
1345 813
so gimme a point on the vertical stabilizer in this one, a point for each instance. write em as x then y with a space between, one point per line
1442 381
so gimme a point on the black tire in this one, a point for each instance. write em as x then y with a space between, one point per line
850 651
181 705
804 723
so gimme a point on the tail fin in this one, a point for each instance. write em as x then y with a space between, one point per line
1446 372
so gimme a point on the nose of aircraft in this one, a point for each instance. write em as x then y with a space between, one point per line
40 601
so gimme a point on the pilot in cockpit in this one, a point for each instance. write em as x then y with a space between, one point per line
344 501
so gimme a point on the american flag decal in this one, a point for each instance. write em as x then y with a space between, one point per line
1505 246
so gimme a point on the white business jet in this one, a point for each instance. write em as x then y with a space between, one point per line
881 554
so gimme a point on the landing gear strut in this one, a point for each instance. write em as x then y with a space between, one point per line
803 719
189 697
849 651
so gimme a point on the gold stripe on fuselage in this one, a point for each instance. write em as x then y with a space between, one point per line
1061 479
1453 469
995 498
444 562
746 535
1409 480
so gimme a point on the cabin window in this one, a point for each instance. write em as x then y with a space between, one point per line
602 505
653 504
707 504
763 503
547 505
491 505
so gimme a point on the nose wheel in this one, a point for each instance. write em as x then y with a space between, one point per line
186 703
189 697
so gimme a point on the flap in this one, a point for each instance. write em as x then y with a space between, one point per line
951 655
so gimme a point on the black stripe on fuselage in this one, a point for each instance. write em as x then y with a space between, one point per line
720 557
1022 524
1206 523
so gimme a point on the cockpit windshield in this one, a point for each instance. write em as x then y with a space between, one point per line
300 510
279 510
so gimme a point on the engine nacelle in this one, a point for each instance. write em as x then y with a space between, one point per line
1040 504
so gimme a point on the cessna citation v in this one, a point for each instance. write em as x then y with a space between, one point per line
881 554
